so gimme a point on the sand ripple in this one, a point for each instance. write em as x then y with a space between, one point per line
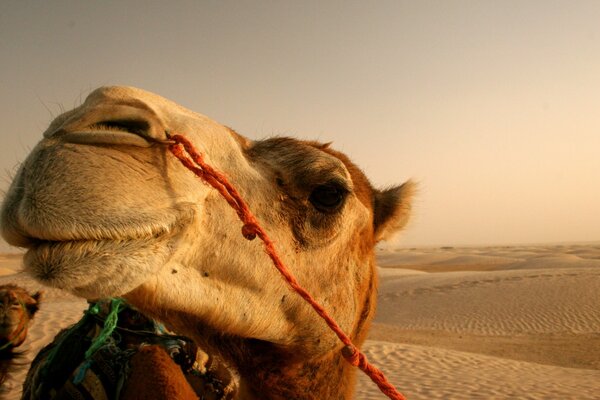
495 303
430 373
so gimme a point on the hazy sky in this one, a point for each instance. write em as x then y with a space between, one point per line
494 107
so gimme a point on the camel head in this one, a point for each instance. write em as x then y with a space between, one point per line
105 210
17 308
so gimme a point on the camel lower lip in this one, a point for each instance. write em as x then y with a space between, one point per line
85 245
90 247
144 227
88 268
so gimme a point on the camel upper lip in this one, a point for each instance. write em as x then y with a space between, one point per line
125 235
170 223
36 242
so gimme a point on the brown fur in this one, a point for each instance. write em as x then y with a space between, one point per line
17 308
154 376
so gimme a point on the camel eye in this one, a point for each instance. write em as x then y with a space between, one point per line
328 198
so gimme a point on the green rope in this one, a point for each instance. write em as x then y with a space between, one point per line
110 323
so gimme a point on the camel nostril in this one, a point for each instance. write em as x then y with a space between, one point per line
136 126
112 124
118 131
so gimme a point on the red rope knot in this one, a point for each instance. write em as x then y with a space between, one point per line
250 230
177 150
353 355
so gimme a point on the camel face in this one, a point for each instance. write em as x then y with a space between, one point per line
17 308
105 210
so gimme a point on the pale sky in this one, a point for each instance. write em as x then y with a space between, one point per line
494 107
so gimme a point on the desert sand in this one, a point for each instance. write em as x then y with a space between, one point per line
506 322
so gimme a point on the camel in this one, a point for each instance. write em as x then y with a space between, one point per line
17 308
105 211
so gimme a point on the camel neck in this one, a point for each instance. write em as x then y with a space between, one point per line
279 377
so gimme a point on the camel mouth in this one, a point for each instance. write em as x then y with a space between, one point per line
74 238
116 227
101 265
84 244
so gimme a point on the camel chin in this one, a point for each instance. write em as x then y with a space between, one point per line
87 268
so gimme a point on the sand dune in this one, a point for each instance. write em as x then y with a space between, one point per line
446 259
518 322
432 373
489 323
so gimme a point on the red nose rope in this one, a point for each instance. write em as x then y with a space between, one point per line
250 230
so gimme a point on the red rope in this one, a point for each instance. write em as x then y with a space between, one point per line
252 229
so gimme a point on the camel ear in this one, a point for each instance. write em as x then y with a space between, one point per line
37 296
34 306
392 209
